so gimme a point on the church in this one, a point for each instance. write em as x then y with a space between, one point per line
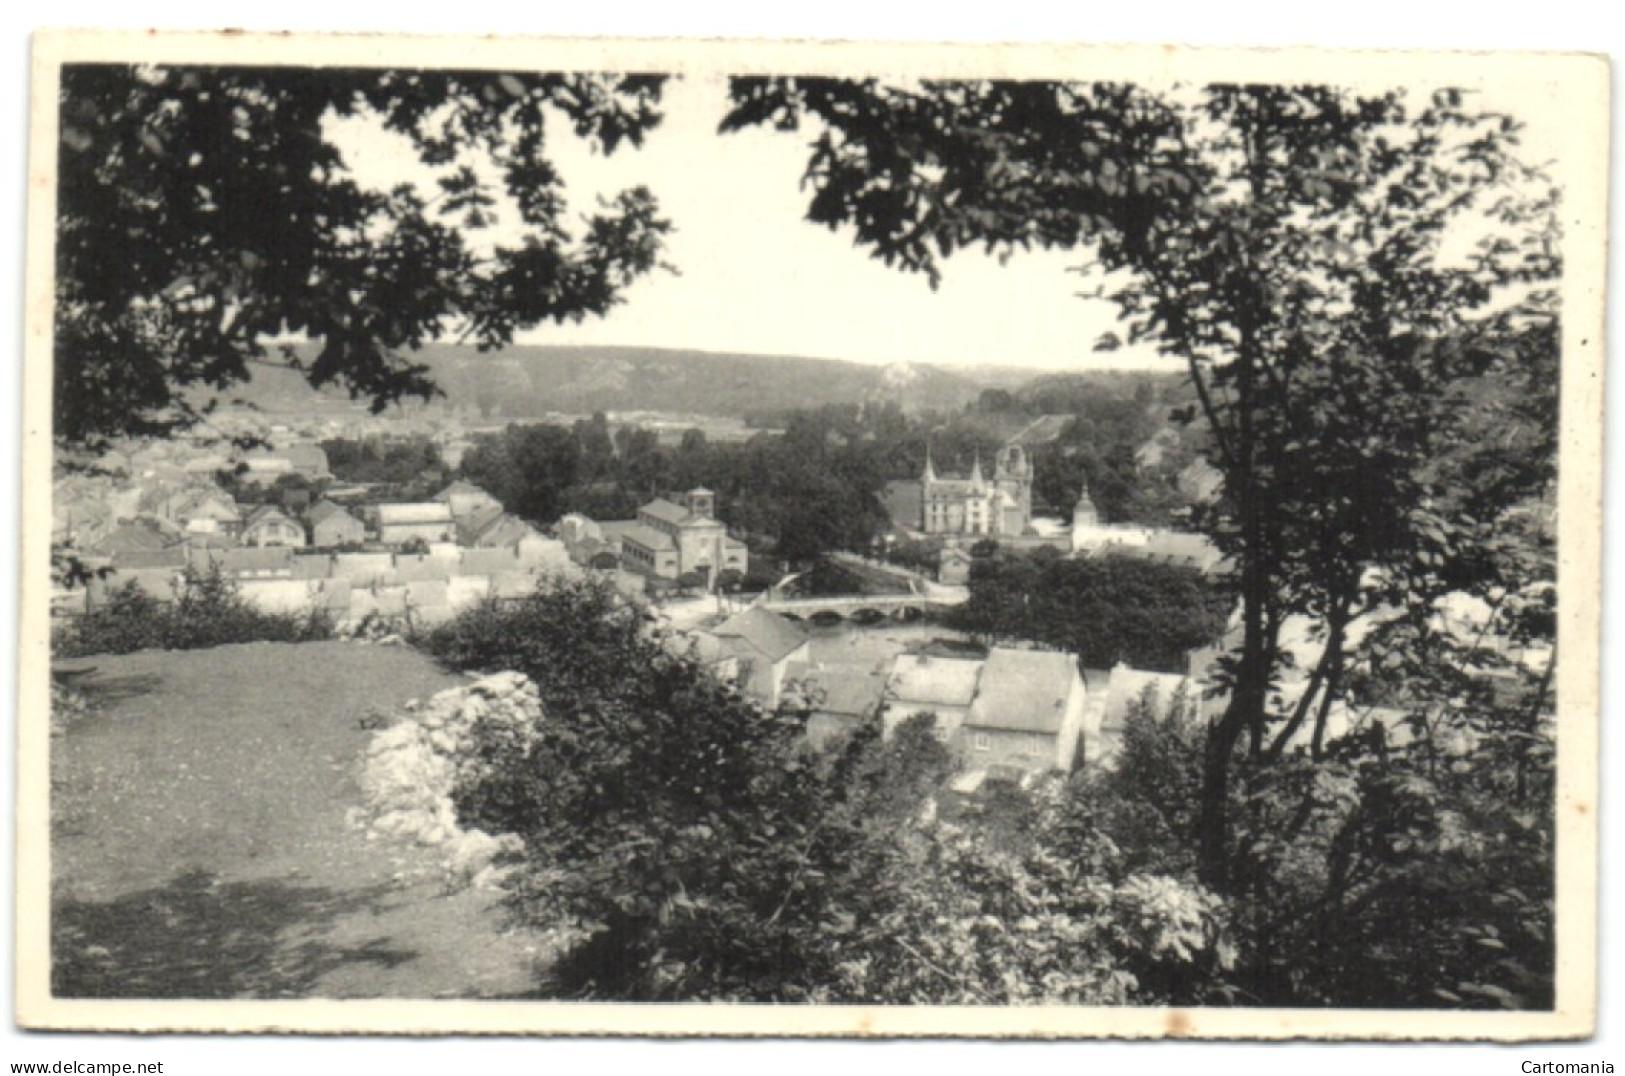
976 504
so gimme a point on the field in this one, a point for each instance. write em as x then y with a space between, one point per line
204 845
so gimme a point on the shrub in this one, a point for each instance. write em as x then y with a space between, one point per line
209 610
701 851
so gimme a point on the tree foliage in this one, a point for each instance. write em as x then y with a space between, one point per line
1296 248
701 851
1105 609
202 211
208 610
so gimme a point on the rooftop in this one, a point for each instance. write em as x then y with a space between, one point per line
425 512
764 631
851 690
925 678
647 537
1024 691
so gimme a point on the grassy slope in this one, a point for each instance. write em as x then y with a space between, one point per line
200 846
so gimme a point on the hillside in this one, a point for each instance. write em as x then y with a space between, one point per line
528 381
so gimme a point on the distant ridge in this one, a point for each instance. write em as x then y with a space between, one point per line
529 380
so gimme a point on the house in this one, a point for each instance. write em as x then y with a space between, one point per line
270 562
206 510
144 534
80 518
472 524
953 566
169 557
308 460
1000 505
1029 713
269 526
362 569
464 499
496 529
160 584
671 540
420 569
263 469
430 521
331 525
1126 689
764 643
837 698
930 684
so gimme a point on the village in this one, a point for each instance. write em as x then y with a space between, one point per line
149 515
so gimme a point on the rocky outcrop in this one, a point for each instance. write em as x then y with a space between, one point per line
413 768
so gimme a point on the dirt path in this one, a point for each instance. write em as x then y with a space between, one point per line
200 845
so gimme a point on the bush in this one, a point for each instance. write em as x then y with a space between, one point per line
208 611
699 850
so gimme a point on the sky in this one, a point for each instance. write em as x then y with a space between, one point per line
753 276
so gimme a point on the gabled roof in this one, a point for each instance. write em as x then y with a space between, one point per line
849 690
410 569
427 594
263 513
648 538
764 631
140 534
307 457
171 557
471 525
613 529
160 583
1127 686
931 680
319 566
250 559
362 565
461 487
1024 691
425 512
489 562
331 594
512 585
324 510
666 511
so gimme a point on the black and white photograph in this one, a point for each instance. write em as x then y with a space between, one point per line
765 539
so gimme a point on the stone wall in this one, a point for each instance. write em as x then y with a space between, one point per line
412 768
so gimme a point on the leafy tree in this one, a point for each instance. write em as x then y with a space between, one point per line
1289 244
231 217
1104 609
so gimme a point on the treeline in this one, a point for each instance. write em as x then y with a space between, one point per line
1103 609
817 486
397 468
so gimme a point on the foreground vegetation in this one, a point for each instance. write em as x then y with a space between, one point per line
703 852
208 610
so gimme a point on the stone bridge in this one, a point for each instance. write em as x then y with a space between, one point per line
860 607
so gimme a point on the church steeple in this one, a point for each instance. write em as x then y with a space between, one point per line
930 472
976 479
